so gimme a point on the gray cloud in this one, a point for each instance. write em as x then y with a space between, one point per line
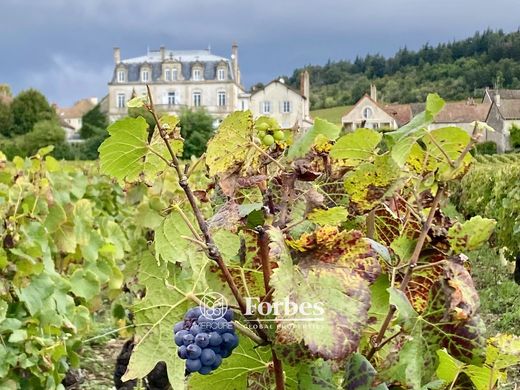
64 47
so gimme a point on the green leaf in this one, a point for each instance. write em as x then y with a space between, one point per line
407 314
84 284
332 216
403 247
169 242
356 147
155 316
303 144
3 310
228 149
471 234
137 101
55 218
315 375
228 243
245 360
449 368
34 295
359 374
121 155
18 336
369 183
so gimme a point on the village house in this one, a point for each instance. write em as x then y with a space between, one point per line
71 118
503 114
192 79
499 110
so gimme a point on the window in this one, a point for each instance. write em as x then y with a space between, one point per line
196 99
196 74
367 112
171 98
266 107
175 74
167 75
145 76
242 105
121 76
221 74
121 100
221 99
286 108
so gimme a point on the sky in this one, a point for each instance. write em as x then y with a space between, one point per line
64 47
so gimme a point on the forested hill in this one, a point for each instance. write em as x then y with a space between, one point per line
455 70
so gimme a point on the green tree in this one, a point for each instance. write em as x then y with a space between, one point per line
29 107
46 132
514 136
6 118
196 129
94 123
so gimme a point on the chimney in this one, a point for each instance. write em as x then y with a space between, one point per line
497 99
163 53
373 92
305 91
234 62
117 55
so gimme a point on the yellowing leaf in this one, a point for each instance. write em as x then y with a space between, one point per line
471 234
303 143
332 216
356 147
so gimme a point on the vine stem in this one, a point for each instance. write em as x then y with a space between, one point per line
263 244
411 266
212 252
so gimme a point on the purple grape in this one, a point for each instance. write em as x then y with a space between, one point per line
193 351
207 357
218 361
179 336
202 340
178 327
215 339
205 370
225 353
193 314
217 350
195 329
188 339
193 365
229 316
182 352
228 339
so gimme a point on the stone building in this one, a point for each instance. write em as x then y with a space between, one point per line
71 118
191 79
503 114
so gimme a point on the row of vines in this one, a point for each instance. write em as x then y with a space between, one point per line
351 222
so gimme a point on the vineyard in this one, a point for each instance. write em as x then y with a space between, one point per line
279 259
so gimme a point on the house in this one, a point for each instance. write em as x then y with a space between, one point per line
503 114
368 113
73 115
287 105
191 79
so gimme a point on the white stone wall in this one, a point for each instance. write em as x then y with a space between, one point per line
378 119
276 93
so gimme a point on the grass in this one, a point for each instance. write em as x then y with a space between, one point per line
332 114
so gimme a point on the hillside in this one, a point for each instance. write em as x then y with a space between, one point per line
455 70
332 114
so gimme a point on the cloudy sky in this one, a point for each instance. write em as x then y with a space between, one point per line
64 47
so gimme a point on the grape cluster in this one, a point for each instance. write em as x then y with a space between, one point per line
267 135
203 342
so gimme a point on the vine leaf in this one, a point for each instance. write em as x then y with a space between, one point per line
356 147
360 374
407 314
303 144
471 234
332 273
234 371
169 243
122 153
449 368
155 316
370 182
332 216
315 375
228 150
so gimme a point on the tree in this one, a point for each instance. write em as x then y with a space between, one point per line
514 136
6 118
29 107
196 129
94 123
46 132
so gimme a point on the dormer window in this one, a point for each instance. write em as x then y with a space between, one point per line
167 74
367 112
196 74
145 75
175 74
121 76
221 74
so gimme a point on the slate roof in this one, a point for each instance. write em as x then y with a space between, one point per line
187 59
504 93
510 108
